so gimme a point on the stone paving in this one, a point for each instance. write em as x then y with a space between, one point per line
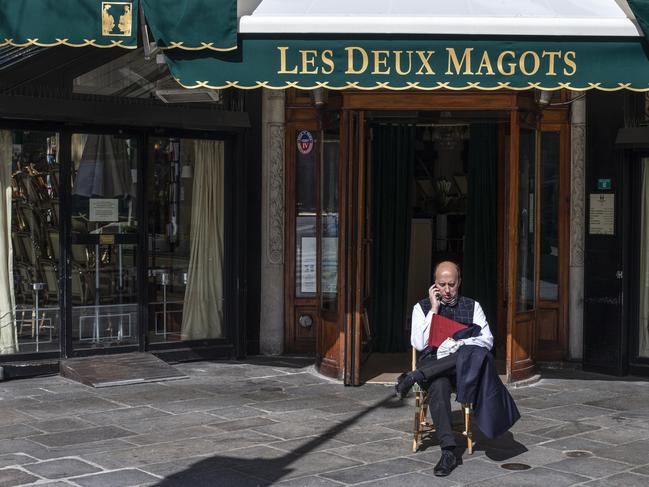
273 421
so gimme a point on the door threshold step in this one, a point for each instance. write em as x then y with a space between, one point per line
119 369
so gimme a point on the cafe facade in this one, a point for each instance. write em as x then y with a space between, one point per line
352 147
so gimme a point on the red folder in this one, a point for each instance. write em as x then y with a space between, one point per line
442 328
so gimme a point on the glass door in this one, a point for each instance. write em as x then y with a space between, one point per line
523 244
103 242
185 201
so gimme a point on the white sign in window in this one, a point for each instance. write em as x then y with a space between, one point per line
104 210
308 265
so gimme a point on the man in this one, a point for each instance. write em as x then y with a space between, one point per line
440 374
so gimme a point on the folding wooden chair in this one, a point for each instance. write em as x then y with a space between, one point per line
423 426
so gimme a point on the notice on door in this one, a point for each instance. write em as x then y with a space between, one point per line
308 265
104 210
602 214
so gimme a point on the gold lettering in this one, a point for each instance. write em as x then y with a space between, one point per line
397 62
308 61
328 59
552 55
351 68
485 63
466 60
569 59
424 57
381 60
501 68
282 62
523 66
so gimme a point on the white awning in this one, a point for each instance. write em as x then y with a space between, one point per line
450 17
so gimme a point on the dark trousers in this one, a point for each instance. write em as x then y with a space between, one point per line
439 404
440 376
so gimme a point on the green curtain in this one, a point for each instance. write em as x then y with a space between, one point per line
479 272
392 165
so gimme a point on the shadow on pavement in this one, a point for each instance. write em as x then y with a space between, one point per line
224 470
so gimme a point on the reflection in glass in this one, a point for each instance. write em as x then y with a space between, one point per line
104 252
643 342
549 215
305 221
29 260
185 239
526 221
329 224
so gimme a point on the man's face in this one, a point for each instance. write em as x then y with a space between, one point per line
447 282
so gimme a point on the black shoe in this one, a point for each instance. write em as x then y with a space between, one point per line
404 383
446 464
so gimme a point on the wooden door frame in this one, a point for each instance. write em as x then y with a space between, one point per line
294 306
351 269
558 121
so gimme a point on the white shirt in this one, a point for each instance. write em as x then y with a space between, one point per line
421 328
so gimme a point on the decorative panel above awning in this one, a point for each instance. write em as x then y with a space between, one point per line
419 62
184 24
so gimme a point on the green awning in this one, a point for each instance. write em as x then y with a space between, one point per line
419 62
74 23
183 24
640 9
193 24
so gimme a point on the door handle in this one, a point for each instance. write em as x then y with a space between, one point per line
619 275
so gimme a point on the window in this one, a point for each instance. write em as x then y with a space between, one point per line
30 253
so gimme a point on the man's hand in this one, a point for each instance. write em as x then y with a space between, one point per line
435 298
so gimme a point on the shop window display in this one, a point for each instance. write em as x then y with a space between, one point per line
29 252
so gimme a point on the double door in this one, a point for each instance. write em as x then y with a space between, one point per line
532 246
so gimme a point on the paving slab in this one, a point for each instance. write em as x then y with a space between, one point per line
473 471
376 471
533 478
58 469
117 478
79 436
620 480
15 459
12 476
589 466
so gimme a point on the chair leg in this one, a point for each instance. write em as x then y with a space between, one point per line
417 425
467 427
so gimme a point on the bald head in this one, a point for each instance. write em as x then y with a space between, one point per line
448 269
447 280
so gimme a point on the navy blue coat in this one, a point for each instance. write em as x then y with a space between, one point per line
478 383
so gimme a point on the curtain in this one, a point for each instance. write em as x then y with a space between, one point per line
8 335
78 143
203 307
644 262
479 262
104 168
393 166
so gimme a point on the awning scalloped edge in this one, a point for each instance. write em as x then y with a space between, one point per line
65 42
92 42
417 86
204 45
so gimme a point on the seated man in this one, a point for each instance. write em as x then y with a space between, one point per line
438 375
